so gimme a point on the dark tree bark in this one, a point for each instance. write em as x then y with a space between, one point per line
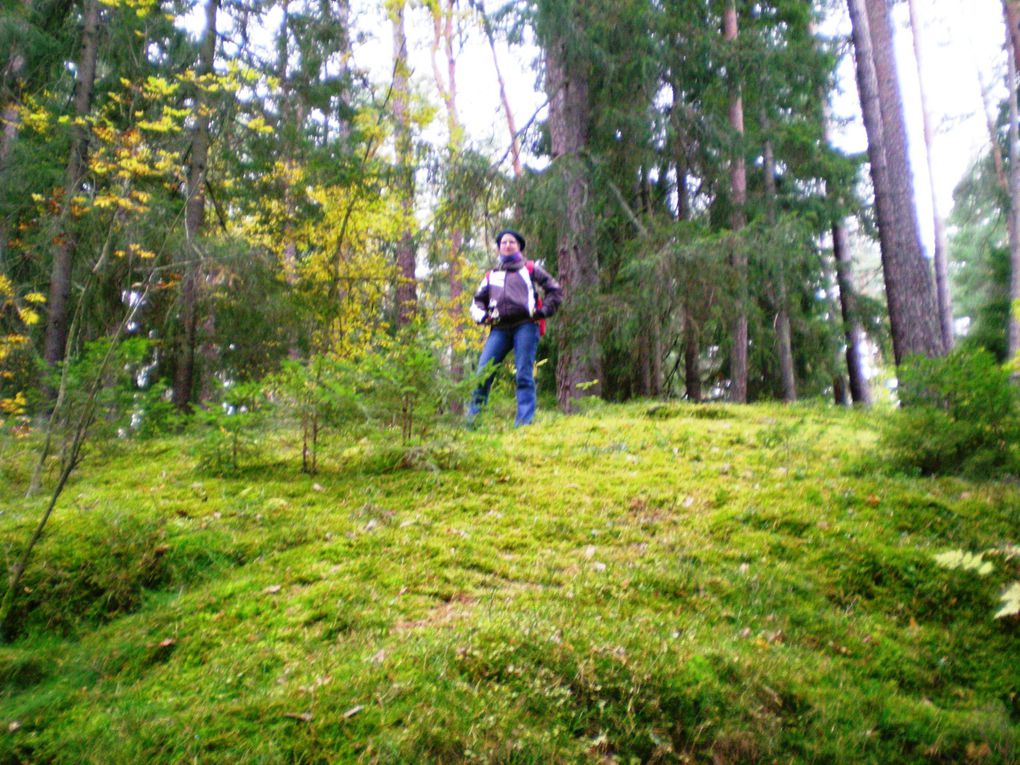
941 254
579 365
407 291
194 220
55 343
910 295
738 219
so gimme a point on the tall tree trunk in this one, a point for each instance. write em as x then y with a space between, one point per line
941 254
13 72
910 296
1011 10
1013 338
738 218
407 292
784 339
194 220
443 35
55 342
579 366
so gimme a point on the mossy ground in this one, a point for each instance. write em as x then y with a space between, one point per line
640 583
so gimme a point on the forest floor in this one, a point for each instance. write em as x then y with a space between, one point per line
637 583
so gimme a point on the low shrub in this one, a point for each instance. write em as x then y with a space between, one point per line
960 416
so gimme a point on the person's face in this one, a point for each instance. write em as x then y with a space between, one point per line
508 245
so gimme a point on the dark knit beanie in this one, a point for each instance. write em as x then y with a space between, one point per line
514 234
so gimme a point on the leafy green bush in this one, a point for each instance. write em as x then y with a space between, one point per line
960 415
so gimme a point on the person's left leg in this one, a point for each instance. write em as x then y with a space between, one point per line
497 346
525 349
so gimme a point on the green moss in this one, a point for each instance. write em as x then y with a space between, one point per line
637 583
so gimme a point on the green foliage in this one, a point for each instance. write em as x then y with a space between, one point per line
960 415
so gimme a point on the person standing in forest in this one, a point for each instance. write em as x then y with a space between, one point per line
507 300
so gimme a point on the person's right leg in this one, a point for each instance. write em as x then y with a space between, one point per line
497 346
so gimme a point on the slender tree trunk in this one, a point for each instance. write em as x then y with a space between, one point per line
55 342
579 366
912 307
738 219
515 142
194 220
1014 199
407 292
784 339
941 254
444 36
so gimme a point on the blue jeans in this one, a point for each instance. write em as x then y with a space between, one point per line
523 339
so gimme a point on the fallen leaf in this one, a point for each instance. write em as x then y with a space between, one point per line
272 589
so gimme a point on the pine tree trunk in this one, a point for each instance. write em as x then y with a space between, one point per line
55 342
738 184
407 292
911 301
941 255
194 220
579 364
